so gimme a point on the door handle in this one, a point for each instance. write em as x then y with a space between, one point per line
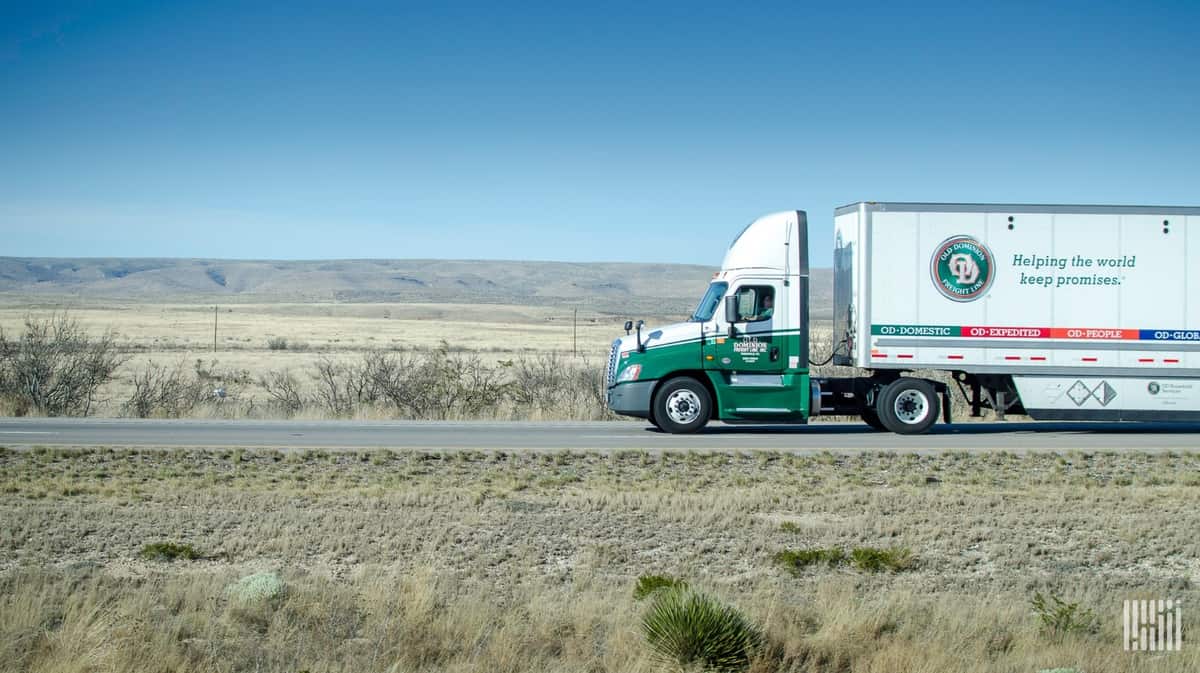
774 353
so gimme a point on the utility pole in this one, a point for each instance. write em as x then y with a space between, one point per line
575 334
215 328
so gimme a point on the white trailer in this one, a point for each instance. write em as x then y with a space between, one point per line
1063 312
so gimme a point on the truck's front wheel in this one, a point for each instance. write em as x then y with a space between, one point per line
682 405
908 406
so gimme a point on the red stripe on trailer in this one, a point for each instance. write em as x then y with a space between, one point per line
1145 359
905 356
1038 358
1088 359
954 357
878 355
990 332
1171 361
1012 357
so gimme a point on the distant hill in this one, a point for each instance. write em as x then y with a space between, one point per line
606 287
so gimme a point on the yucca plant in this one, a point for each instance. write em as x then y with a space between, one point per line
690 630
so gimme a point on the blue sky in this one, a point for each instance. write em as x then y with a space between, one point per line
568 131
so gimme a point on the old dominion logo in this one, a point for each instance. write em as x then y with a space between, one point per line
962 268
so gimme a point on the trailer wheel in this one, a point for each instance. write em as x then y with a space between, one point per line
682 405
871 418
908 406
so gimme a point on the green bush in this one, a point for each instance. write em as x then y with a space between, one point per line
169 551
1060 618
867 559
690 630
649 584
874 560
796 560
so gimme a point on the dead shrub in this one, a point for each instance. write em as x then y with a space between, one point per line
439 384
436 384
284 391
55 368
343 388
164 392
553 385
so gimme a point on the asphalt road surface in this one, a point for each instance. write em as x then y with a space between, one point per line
1012 436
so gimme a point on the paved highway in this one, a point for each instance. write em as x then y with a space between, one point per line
22 432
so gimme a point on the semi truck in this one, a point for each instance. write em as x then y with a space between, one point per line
1055 312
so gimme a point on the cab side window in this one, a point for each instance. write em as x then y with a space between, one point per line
755 303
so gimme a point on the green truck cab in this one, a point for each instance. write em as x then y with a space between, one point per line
743 355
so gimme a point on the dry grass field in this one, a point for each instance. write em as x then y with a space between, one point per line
256 341
490 561
281 320
243 330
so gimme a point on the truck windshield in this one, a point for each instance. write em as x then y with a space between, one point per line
710 302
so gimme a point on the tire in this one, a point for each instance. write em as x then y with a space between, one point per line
871 418
653 421
682 405
908 406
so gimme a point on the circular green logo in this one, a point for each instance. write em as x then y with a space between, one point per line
962 268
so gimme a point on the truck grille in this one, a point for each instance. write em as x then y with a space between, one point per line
610 375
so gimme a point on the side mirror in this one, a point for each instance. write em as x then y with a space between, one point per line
731 314
640 346
628 326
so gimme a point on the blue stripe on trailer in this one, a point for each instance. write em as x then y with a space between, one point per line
1169 335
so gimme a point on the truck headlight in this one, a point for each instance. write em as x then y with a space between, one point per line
630 373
